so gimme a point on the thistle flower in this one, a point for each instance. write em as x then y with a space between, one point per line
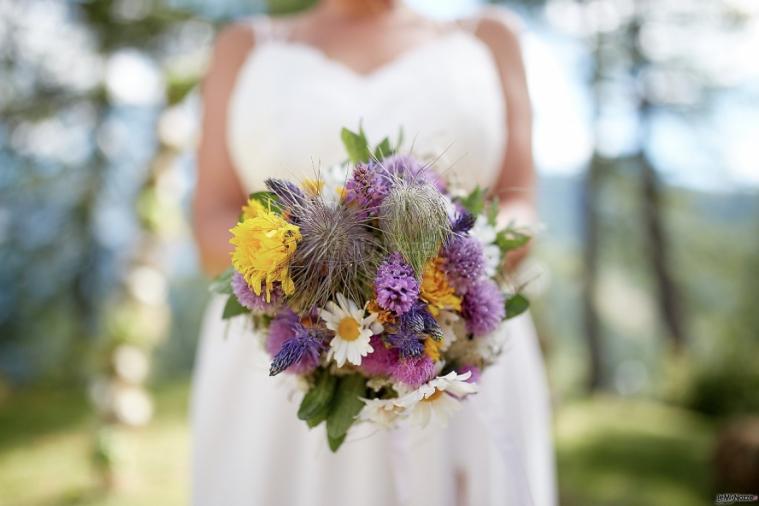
282 327
414 371
250 300
464 262
407 343
294 347
263 248
336 254
411 170
418 320
483 307
395 286
463 221
414 219
299 354
288 193
367 188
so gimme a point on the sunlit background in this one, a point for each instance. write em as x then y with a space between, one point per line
646 272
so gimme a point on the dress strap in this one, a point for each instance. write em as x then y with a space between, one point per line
268 30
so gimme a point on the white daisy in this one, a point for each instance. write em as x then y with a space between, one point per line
330 184
486 234
383 412
438 399
452 326
352 330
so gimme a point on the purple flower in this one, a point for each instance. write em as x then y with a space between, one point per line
367 188
295 348
476 372
287 192
483 307
396 286
381 361
414 371
464 262
250 300
408 168
407 343
463 221
418 320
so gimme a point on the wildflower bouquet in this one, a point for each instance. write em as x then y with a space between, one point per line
377 284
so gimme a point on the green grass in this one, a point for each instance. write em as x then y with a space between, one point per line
611 452
628 453
45 448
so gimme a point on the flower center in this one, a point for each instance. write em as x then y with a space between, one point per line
348 329
434 396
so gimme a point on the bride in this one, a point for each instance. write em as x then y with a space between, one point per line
276 95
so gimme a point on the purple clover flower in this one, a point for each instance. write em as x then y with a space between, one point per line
414 371
395 286
464 262
367 188
250 300
381 361
483 307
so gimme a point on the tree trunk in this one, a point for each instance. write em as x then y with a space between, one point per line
590 191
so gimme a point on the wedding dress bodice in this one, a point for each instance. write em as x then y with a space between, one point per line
291 100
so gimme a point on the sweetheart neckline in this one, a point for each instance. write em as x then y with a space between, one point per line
376 72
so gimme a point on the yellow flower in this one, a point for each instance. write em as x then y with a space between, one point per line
432 348
263 248
383 316
436 291
252 209
313 187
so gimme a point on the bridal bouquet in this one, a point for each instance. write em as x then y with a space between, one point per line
377 284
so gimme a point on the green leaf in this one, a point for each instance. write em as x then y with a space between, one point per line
510 239
318 418
356 145
335 443
222 284
318 399
233 308
346 405
491 212
268 199
475 201
383 149
516 305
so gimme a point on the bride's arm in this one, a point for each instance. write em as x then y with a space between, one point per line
219 195
516 184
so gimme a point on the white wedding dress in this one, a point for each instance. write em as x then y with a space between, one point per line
249 448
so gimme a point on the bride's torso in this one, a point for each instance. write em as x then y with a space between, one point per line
290 101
